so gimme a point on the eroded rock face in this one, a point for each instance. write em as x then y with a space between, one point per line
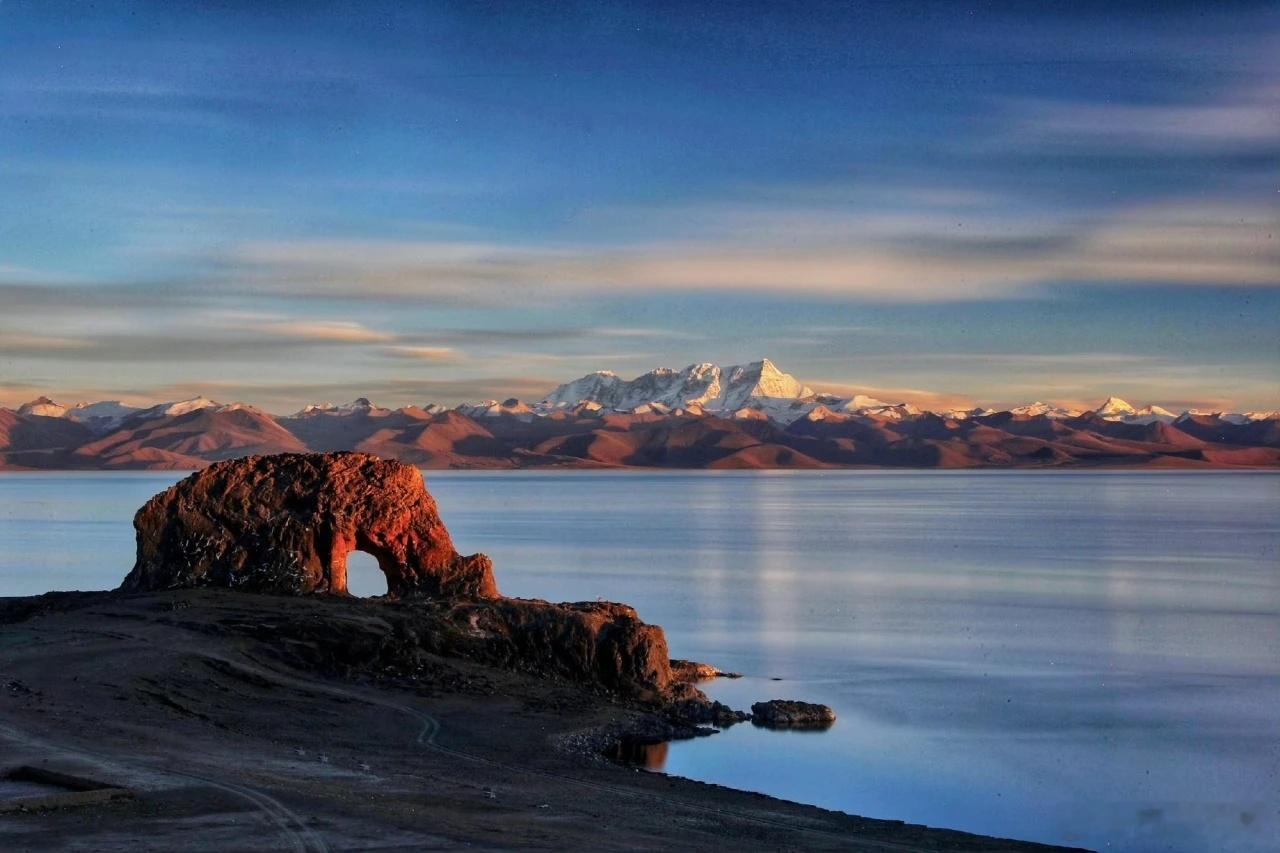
603 641
286 524
595 643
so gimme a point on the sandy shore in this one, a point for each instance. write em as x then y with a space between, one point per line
228 741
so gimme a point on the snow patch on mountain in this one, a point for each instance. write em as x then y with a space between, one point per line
181 407
1150 415
101 414
358 406
861 402
1039 409
494 409
966 414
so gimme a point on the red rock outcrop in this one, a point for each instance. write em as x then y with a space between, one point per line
286 524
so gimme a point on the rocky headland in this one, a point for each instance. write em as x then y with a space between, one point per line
285 525
243 700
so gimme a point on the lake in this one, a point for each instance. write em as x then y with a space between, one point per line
1089 658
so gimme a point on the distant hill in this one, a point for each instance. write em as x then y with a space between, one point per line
703 416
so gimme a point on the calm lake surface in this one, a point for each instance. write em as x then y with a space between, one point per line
1085 658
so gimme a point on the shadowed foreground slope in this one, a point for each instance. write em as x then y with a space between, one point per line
246 721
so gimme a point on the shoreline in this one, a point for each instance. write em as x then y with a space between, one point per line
186 699
604 470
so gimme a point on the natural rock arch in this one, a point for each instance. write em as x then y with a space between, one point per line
286 524
365 578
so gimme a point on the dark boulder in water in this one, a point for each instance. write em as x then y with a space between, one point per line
791 714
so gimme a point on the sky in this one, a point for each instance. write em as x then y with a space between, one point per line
941 203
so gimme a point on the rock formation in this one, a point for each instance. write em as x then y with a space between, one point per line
596 641
286 523
791 714
692 670
599 644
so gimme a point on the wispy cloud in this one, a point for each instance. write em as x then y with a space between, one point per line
20 344
1192 243
344 331
438 355
639 332
1248 118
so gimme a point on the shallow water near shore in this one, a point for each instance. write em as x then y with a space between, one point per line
1089 658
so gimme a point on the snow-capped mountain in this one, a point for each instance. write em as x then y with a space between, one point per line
895 412
595 387
181 407
760 387
706 386
98 416
759 384
358 406
965 414
43 407
744 416
493 409
752 391
1115 409
1229 417
188 406
101 414
1150 415
859 402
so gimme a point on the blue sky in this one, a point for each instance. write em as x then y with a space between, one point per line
283 203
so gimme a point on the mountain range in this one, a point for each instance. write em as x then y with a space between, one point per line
704 416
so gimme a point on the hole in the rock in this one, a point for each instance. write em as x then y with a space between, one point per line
364 578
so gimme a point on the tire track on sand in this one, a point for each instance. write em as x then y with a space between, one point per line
291 826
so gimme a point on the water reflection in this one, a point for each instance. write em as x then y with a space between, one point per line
1084 658
1068 658
647 756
